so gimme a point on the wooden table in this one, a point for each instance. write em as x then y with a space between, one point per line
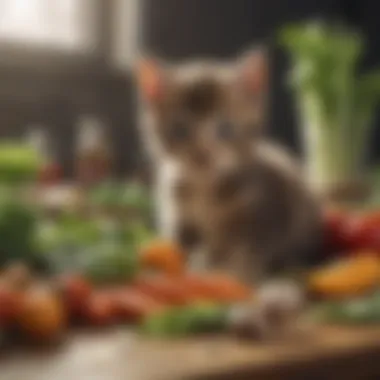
328 353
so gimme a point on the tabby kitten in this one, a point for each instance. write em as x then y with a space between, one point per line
220 185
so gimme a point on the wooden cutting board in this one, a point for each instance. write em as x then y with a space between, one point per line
325 353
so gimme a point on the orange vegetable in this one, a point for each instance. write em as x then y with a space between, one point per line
42 314
163 256
132 305
217 287
165 289
349 277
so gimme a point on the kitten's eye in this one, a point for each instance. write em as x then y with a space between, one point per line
180 130
225 130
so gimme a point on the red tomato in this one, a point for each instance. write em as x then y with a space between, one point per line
336 234
76 291
50 174
99 310
10 303
363 232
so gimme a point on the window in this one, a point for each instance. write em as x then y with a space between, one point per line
62 24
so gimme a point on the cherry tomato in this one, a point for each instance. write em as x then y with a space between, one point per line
50 174
363 232
99 310
335 230
76 291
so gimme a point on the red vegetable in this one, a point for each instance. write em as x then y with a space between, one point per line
363 232
76 291
10 303
99 310
132 305
50 174
217 288
336 238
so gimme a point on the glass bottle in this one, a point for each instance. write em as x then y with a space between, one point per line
50 172
93 161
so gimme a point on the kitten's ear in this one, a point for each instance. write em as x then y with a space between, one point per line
253 71
151 79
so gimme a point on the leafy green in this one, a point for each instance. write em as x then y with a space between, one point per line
110 262
17 226
105 250
106 194
18 163
365 310
183 321
132 200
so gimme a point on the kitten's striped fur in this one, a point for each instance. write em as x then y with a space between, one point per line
229 191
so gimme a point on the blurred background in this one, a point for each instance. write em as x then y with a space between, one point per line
67 87
64 60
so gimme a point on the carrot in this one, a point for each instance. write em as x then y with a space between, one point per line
217 287
132 304
165 289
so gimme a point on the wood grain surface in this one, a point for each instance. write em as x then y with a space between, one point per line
328 353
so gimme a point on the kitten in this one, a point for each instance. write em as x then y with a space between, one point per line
220 185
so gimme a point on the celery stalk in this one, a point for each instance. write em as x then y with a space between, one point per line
335 106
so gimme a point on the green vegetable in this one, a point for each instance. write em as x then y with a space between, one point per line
336 104
106 195
17 226
18 163
106 250
135 196
132 198
177 322
110 262
359 311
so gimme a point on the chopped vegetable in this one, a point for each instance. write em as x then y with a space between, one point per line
110 262
164 256
177 322
131 198
17 224
99 310
360 311
18 163
165 289
132 305
42 316
345 278
217 287
76 291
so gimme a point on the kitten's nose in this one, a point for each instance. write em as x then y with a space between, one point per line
202 158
